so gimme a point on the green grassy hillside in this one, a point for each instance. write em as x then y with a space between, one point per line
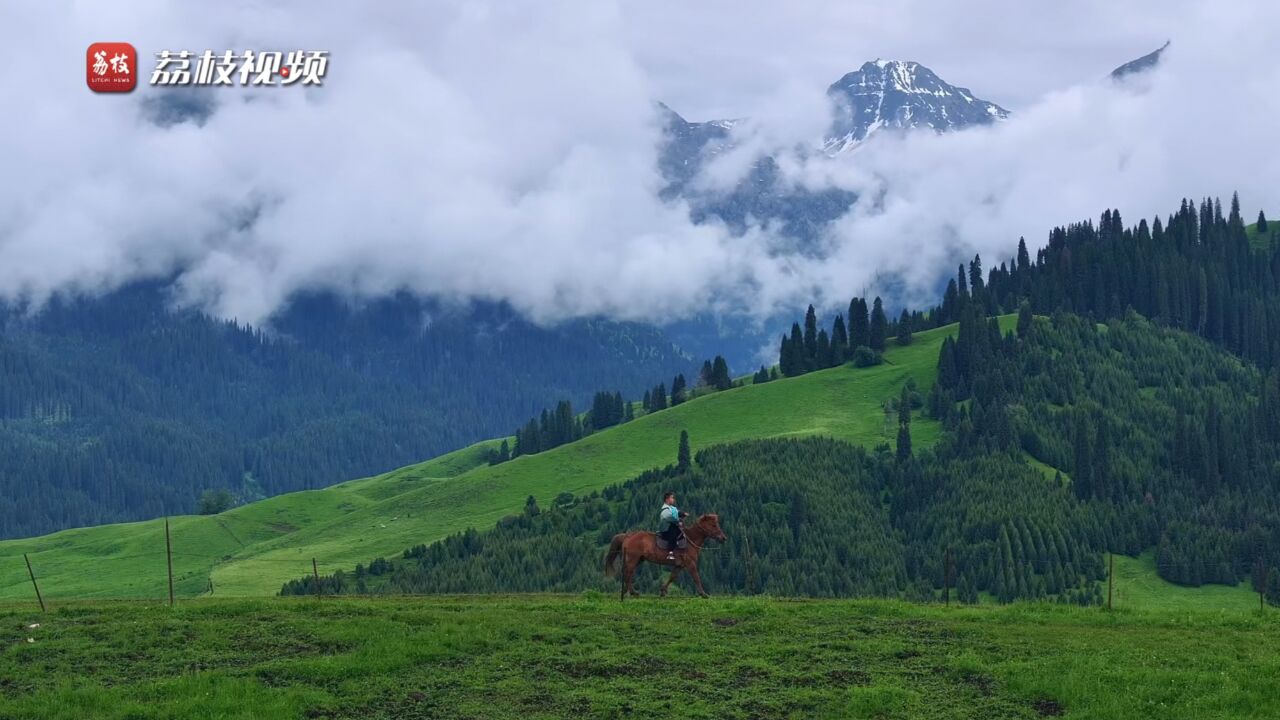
1138 586
550 656
1263 241
251 550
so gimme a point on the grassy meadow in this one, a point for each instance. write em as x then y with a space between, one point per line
592 657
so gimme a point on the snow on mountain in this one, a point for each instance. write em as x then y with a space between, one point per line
881 95
900 95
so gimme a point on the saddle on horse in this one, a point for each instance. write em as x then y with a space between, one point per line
672 539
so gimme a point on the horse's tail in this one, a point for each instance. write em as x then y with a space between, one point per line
615 549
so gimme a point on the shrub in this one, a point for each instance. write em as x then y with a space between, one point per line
864 356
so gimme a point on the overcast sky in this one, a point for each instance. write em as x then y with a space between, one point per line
506 150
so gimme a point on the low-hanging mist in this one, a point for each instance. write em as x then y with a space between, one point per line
508 151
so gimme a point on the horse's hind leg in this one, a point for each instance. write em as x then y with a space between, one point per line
631 586
628 576
670 579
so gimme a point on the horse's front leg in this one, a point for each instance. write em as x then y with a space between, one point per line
675 571
697 579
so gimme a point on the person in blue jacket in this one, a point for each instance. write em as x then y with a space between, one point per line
669 526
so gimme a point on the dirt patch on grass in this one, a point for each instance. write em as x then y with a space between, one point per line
983 683
1048 707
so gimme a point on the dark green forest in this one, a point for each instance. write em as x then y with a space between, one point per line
812 512
122 407
1093 429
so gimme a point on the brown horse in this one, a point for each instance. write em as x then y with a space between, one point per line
636 547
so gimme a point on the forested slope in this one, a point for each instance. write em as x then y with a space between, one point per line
252 549
123 408
1150 437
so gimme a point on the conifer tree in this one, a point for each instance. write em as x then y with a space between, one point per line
811 339
683 457
1262 222
839 340
859 325
677 390
1026 320
795 346
658 400
904 424
1024 258
720 378
879 326
904 328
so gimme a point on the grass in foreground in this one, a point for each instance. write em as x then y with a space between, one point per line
253 549
547 657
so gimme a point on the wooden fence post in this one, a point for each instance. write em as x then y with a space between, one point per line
168 554
315 571
946 578
1111 574
33 581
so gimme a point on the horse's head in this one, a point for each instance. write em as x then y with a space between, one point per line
710 526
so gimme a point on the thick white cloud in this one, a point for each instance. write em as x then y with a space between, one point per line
506 150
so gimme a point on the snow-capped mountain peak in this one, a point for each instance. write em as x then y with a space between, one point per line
900 95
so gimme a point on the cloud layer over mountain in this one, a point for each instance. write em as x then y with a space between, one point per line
507 150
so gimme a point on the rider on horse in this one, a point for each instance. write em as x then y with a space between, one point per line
670 529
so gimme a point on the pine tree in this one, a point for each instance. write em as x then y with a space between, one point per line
503 454
1082 470
904 424
677 390
1026 321
879 326
904 328
859 326
683 458
720 378
795 346
1024 258
976 286
839 341
658 399
811 339
1262 222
